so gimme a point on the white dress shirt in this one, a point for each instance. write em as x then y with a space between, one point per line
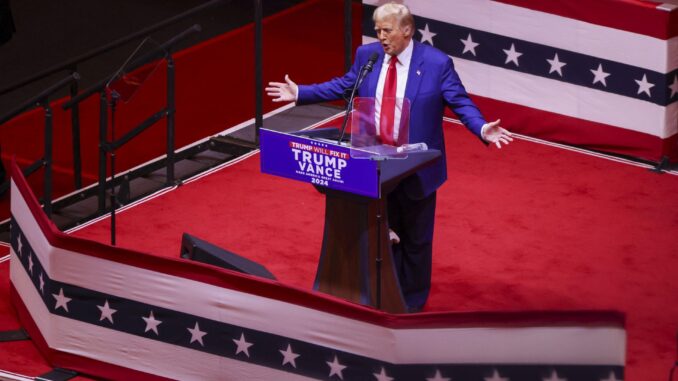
402 69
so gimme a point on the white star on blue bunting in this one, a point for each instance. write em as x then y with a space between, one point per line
152 323
556 65
426 35
242 345
512 55
289 357
61 300
336 368
644 86
599 75
106 312
197 334
469 45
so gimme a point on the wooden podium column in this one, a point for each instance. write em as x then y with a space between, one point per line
352 239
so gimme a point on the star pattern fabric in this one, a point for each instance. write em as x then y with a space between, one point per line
496 377
61 300
151 323
336 368
512 55
438 377
674 87
289 357
242 346
469 45
577 69
106 312
554 377
599 75
644 86
611 377
382 376
426 35
197 334
556 65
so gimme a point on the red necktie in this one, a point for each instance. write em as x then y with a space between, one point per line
388 103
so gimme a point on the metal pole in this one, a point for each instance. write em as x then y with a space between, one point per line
170 120
258 68
114 202
75 128
103 117
348 34
48 157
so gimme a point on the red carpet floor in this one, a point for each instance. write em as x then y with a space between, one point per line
528 227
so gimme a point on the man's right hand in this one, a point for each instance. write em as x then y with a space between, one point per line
283 92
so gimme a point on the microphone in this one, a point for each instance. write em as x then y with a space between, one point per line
370 63
366 69
412 147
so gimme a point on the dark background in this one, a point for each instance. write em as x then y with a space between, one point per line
50 33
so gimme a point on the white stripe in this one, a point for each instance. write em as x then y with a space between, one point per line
575 149
552 30
142 200
6 375
566 99
301 323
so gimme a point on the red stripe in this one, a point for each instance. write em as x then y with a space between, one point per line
635 16
578 132
315 300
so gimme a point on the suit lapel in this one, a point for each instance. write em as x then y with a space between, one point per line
415 73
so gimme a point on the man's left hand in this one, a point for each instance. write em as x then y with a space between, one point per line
493 133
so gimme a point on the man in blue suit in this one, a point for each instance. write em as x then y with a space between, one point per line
426 77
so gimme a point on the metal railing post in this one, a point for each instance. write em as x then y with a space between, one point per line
170 120
103 120
47 161
75 131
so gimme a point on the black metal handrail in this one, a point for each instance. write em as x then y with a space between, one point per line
72 65
76 97
109 147
41 100
33 101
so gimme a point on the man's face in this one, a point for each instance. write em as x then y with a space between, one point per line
393 37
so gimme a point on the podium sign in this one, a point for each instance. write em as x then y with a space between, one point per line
317 162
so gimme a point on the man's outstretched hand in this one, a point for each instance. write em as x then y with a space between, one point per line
283 92
493 133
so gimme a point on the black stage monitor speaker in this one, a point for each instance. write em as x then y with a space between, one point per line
202 251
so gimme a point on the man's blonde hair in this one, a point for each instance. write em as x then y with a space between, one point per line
400 11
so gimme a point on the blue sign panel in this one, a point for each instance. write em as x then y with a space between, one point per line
317 162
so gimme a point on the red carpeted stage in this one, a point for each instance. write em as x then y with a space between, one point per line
580 232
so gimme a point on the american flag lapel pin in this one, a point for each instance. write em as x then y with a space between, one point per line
418 72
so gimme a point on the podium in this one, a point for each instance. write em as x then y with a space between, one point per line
355 259
356 262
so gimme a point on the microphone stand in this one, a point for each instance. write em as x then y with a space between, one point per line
364 70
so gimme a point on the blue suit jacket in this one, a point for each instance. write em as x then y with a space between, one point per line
432 84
